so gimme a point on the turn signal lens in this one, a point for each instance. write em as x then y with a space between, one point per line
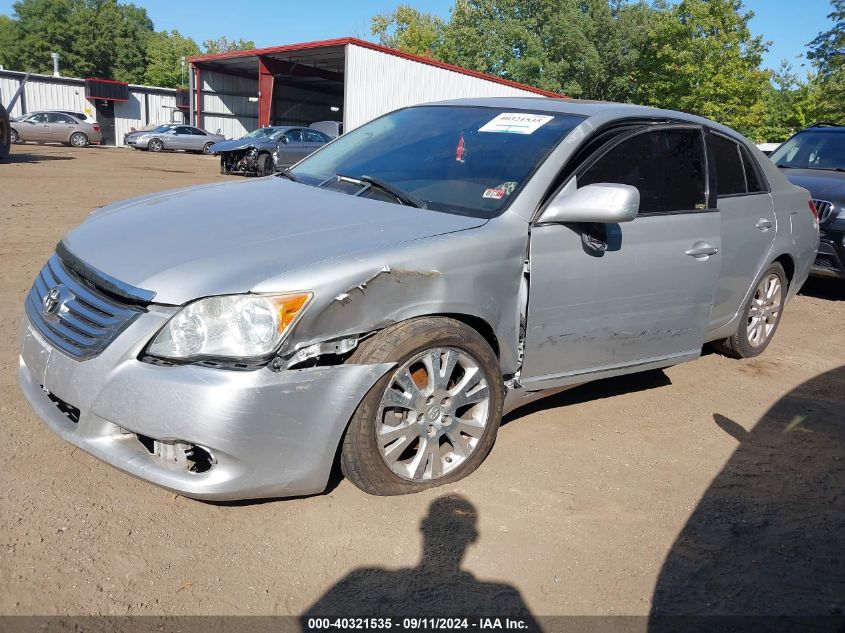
289 306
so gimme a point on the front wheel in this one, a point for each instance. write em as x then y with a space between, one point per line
434 418
761 317
78 139
155 145
265 165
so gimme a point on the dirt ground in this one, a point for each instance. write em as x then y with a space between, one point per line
666 491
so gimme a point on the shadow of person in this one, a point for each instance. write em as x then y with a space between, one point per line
768 536
437 587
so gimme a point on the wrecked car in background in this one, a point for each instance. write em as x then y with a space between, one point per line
389 297
268 149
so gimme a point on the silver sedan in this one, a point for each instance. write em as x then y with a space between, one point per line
388 298
55 127
174 136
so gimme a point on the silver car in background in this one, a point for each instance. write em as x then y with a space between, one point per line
172 137
392 295
55 127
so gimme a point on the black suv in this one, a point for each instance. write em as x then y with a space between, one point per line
815 159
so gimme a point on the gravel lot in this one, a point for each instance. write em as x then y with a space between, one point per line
716 486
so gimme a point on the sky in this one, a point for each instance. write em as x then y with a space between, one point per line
788 24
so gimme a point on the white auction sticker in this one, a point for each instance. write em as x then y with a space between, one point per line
516 123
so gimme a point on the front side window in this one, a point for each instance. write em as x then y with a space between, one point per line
182 130
294 136
470 160
41 117
666 166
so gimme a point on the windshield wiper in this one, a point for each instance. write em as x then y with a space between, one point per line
286 173
404 197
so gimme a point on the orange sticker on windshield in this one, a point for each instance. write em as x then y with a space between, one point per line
494 194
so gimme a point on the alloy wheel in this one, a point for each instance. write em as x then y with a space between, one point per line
765 310
432 414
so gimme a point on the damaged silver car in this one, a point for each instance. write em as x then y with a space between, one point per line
386 300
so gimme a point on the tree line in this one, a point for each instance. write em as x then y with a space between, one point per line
99 38
698 56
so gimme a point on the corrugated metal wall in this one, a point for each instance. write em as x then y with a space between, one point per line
43 92
376 83
226 104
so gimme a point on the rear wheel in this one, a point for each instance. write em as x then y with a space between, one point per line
434 418
155 145
761 317
78 139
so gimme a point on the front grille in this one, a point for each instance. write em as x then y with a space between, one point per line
80 317
824 209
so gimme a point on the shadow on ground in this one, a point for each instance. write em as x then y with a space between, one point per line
436 587
596 390
824 288
24 157
768 536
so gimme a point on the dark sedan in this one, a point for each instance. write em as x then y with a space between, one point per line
815 159
268 149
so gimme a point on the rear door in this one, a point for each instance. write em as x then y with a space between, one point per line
198 139
313 141
60 126
645 299
748 223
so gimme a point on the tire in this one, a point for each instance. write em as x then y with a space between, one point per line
5 133
265 165
206 149
78 139
436 419
743 344
14 139
223 170
155 145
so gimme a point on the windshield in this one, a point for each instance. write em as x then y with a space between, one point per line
468 160
161 128
812 150
262 131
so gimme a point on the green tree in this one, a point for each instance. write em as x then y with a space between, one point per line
702 58
791 103
165 51
100 38
827 52
8 35
223 45
409 30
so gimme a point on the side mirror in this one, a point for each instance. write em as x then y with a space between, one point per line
604 203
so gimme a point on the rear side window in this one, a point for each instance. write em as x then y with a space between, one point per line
730 172
667 166
752 173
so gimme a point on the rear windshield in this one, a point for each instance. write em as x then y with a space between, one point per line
460 159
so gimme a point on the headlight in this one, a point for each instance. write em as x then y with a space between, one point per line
234 326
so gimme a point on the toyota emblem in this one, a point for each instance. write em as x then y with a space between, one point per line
52 301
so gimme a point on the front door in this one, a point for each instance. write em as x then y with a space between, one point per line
645 299
35 128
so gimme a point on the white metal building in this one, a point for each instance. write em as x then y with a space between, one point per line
144 104
347 79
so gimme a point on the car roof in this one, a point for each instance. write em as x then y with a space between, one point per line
601 109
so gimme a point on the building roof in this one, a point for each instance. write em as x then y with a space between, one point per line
328 57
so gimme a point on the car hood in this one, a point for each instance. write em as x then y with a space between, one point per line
244 143
227 238
822 184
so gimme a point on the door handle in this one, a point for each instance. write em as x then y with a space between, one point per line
702 251
763 224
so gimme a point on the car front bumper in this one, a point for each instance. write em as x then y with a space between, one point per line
830 259
270 434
